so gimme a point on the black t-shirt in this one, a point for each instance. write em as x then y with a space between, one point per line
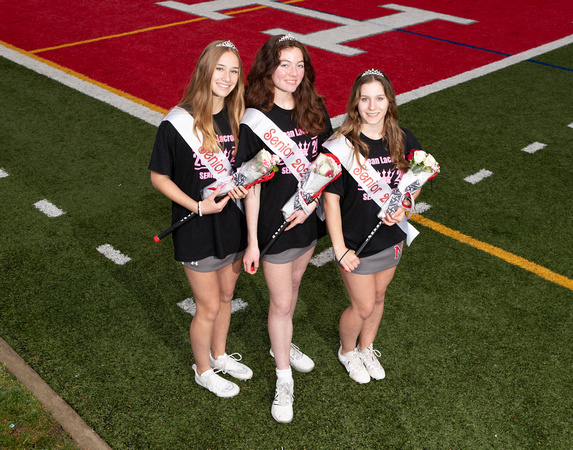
277 191
218 235
358 210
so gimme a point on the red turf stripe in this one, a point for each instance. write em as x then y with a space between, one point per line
155 65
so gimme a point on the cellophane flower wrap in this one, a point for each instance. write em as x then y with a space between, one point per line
423 167
323 170
257 170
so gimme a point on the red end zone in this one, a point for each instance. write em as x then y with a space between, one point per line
148 50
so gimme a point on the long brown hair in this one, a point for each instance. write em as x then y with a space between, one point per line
308 113
351 126
198 99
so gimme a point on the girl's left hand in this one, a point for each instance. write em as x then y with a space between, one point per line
300 216
397 217
296 218
238 193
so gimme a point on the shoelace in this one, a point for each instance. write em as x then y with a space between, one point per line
215 381
371 356
295 351
229 362
283 395
355 361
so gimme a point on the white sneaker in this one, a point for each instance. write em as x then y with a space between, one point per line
352 361
282 405
370 359
229 364
298 360
216 384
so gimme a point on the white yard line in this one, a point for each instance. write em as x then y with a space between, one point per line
477 177
48 208
112 254
532 148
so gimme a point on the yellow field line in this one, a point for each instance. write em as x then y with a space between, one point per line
113 36
144 30
502 254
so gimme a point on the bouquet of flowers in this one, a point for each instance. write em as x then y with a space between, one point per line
259 169
423 168
325 169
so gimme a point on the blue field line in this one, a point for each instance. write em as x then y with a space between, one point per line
448 41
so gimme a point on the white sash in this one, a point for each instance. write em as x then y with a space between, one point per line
217 163
368 178
277 141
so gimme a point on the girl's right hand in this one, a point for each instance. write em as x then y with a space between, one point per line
210 206
251 259
347 259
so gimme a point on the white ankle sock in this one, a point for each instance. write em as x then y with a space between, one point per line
284 374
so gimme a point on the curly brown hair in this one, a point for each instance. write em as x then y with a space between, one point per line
308 113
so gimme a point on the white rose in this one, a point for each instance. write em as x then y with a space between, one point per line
429 161
419 156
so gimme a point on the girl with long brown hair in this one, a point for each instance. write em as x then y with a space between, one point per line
376 143
204 127
281 96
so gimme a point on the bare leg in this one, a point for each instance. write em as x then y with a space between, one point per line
227 279
371 325
283 281
361 289
206 294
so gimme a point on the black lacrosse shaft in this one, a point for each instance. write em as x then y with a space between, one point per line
274 238
174 226
372 233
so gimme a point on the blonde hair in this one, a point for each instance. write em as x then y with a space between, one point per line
198 99
351 126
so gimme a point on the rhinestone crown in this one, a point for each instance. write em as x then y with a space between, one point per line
227 43
287 37
373 72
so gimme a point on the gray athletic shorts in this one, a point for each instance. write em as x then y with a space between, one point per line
386 259
288 255
212 263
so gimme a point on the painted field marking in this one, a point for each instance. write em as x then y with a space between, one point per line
421 207
484 70
331 39
112 254
322 258
121 100
119 35
502 254
532 148
48 208
570 125
188 305
477 177
144 30
3 173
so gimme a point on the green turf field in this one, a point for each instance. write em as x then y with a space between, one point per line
478 351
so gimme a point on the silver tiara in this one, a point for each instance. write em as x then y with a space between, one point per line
287 37
373 72
227 43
